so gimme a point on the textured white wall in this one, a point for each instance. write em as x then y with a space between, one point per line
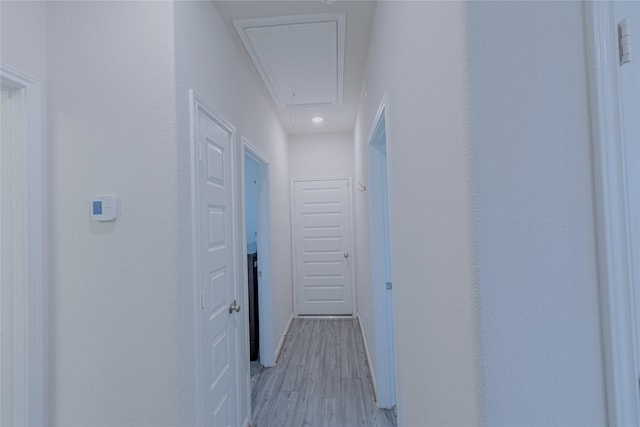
114 351
22 44
321 155
431 213
535 234
211 61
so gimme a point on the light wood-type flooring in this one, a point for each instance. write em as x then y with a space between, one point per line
321 379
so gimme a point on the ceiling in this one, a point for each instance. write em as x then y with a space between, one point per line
309 54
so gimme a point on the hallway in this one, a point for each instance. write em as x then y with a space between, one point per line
321 379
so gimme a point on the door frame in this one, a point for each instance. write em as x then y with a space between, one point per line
198 103
615 266
294 270
25 315
265 284
386 378
29 306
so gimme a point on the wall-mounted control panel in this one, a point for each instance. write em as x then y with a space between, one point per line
103 208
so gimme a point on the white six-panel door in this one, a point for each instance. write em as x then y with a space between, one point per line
322 236
217 270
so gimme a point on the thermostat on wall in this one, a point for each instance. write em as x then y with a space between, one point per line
103 208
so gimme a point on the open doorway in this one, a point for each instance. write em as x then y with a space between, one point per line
257 246
252 183
381 277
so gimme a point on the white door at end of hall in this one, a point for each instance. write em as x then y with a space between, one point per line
322 246
217 278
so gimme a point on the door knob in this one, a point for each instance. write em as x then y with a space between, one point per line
346 254
234 306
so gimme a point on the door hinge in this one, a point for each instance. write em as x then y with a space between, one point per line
199 151
202 307
624 41
389 286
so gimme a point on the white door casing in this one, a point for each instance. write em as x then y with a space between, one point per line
629 12
614 231
23 252
265 294
381 275
216 267
323 246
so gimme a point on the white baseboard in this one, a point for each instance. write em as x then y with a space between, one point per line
282 338
325 316
366 352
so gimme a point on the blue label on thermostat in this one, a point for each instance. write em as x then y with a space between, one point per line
97 208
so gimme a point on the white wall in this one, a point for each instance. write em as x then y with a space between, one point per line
431 211
535 237
22 45
114 351
321 155
211 61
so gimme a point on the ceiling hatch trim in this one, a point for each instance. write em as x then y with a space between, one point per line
300 58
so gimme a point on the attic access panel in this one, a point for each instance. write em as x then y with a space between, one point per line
300 58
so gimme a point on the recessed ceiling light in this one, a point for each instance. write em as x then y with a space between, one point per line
317 120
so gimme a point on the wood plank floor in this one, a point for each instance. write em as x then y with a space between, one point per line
321 380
